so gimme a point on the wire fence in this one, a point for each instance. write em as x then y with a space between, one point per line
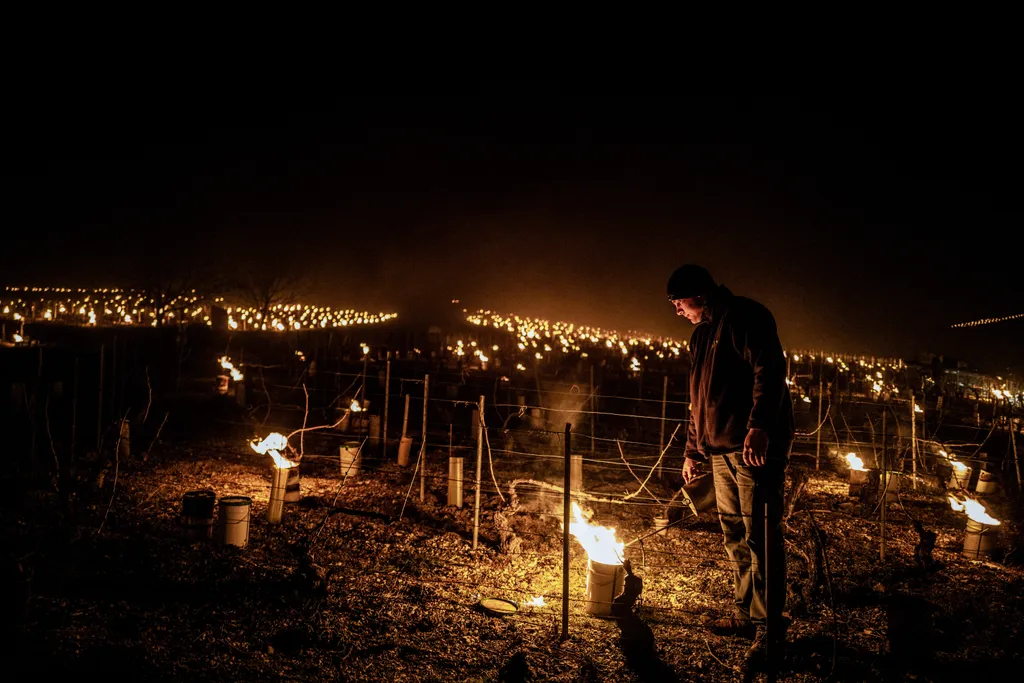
629 462
406 430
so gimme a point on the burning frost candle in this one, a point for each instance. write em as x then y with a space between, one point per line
272 445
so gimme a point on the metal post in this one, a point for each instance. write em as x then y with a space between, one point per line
661 438
913 440
423 458
99 407
35 401
884 479
566 524
366 359
821 399
593 408
479 472
387 396
74 413
767 590
115 400
405 417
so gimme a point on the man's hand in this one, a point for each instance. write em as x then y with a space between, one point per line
691 468
755 448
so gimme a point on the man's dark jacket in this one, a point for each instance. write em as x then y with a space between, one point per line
737 379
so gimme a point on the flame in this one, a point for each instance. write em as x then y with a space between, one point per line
18 338
855 462
226 363
975 510
598 541
355 407
536 601
271 446
958 467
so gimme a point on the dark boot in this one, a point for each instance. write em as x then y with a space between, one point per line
731 626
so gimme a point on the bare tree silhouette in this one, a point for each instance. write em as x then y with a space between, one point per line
264 289
175 284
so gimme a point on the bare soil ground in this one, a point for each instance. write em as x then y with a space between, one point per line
372 596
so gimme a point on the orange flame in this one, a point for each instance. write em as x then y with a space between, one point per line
272 445
226 363
536 601
855 462
975 510
598 541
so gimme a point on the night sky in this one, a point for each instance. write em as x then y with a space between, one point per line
866 223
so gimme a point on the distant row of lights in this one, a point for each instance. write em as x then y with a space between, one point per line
989 321
542 337
131 307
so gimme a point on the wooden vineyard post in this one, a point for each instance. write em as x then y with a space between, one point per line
479 472
661 437
423 458
566 523
593 408
884 480
387 397
99 408
821 399
913 439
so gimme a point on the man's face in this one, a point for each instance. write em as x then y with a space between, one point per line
692 309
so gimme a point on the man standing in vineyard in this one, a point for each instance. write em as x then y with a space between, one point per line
741 420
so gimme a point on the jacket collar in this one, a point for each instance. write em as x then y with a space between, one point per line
717 303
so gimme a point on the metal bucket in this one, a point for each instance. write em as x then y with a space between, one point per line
222 384
892 484
979 541
858 480
374 431
988 483
351 459
455 481
404 449
235 512
700 493
197 514
959 480
604 582
660 525
278 484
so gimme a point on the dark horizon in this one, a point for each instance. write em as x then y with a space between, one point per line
867 226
